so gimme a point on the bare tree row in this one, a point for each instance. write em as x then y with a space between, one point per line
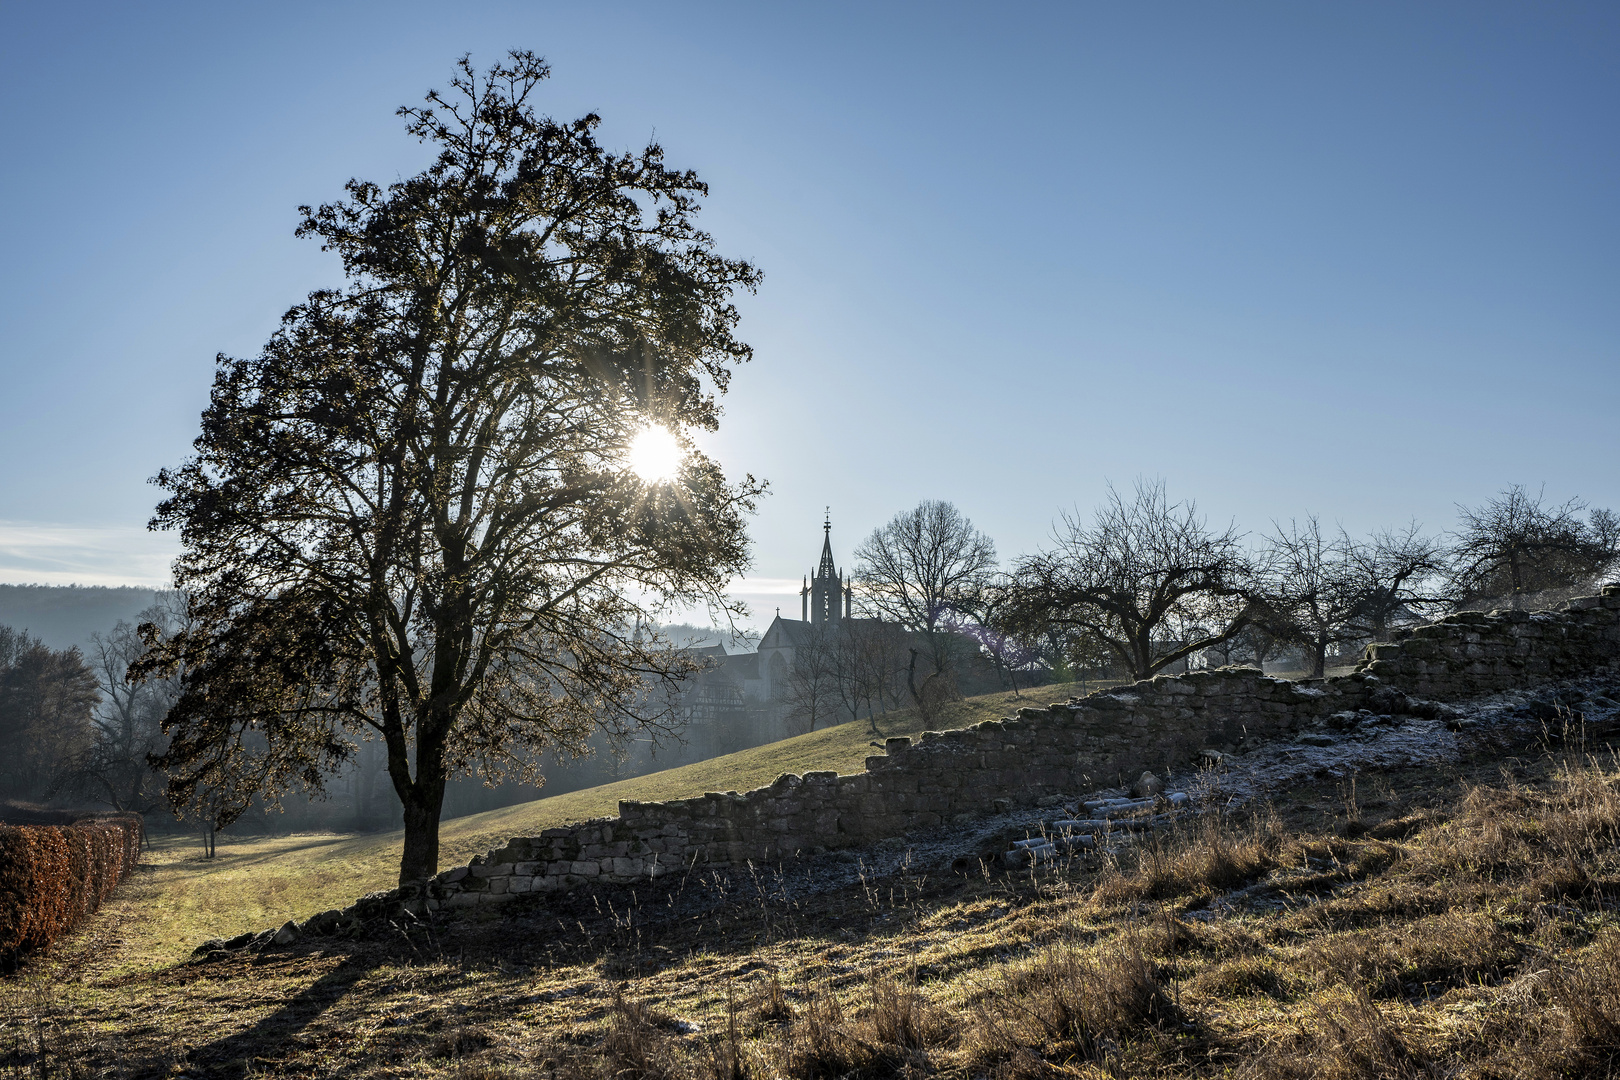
1148 584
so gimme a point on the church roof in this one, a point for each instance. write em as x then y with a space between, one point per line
705 650
743 665
786 632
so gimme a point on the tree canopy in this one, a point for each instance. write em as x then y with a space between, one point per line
411 516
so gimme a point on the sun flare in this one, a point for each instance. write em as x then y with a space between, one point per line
655 455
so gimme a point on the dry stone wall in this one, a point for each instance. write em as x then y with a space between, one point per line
1473 653
1160 723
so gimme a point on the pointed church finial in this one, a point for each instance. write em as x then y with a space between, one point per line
826 570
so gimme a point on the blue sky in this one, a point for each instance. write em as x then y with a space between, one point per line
1357 260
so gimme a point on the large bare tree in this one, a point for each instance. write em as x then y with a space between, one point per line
872 662
116 769
1141 575
812 694
915 571
413 513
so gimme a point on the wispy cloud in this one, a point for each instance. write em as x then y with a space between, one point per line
48 554
766 586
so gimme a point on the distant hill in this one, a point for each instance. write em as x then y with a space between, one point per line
64 615
687 636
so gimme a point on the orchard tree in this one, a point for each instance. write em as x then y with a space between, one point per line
1309 591
1136 579
988 626
915 571
1516 544
1397 576
414 514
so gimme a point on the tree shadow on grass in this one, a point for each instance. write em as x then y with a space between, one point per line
274 1037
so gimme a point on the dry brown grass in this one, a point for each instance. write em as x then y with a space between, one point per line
1466 929
1073 1006
1213 855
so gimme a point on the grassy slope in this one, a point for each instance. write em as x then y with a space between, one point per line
183 899
1460 929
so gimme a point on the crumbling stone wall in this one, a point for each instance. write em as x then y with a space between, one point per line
1473 653
1159 723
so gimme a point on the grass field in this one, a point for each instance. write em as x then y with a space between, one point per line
180 899
1455 921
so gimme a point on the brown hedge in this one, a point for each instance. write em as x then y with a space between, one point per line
52 876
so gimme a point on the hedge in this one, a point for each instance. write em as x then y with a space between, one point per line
53 876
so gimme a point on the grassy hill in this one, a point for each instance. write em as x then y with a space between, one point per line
1441 921
257 882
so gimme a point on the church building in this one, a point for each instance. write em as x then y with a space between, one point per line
826 600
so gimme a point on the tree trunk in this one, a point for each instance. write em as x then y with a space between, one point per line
419 859
421 797
911 684
1319 658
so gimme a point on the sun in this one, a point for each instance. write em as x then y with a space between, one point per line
655 455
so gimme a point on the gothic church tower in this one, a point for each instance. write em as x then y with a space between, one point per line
826 598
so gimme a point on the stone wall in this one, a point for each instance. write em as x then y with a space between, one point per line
1474 653
1065 748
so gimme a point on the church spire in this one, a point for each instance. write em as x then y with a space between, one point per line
826 570
827 587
